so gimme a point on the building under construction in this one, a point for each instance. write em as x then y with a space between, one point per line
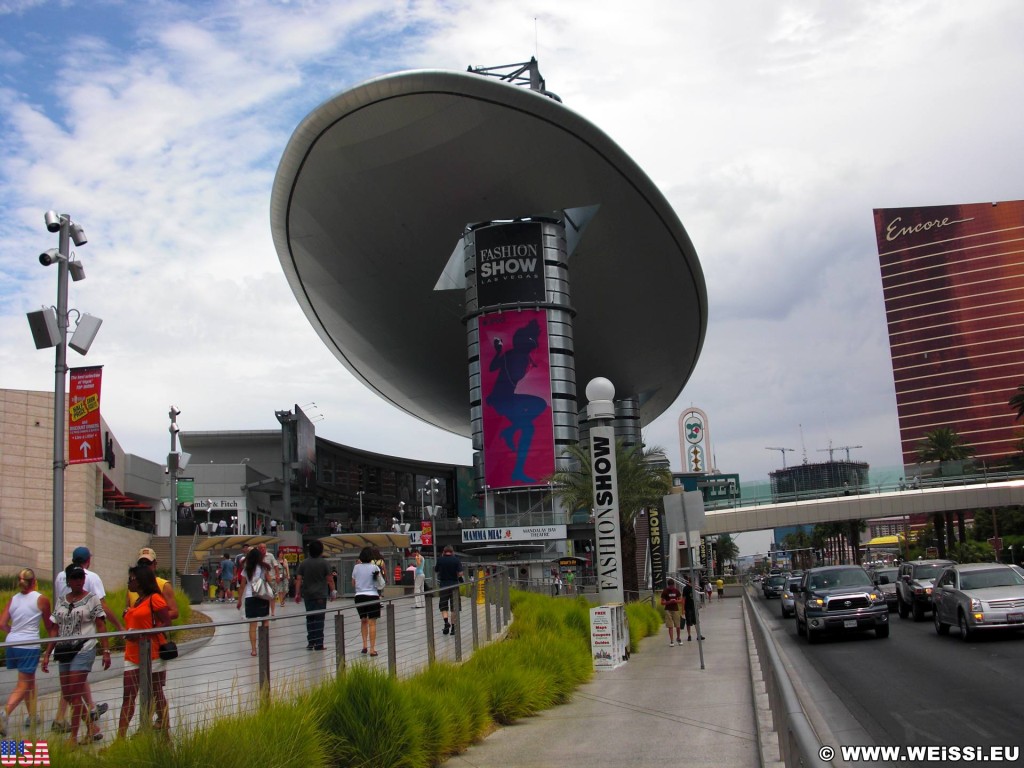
813 479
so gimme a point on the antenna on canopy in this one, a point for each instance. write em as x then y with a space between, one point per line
514 74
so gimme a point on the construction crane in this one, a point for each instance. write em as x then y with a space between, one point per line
782 451
831 449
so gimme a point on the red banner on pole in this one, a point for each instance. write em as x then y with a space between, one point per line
427 533
85 444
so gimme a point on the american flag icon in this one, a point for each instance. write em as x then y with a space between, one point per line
11 748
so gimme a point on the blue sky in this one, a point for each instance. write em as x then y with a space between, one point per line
773 128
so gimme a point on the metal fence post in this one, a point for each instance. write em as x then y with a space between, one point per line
456 609
146 703
474 621
488 602
339 642
263 650
431 647
389 612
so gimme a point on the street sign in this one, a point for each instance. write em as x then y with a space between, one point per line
996 542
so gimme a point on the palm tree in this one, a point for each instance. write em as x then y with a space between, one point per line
1017 402
641 484
728 550
943 444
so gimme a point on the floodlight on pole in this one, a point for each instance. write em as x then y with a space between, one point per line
50 329
433 484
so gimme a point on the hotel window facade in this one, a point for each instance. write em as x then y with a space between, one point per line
953 283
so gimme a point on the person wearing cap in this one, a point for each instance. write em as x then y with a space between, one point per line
78 614
449 573
147 558
94 586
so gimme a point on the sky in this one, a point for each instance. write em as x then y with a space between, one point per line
773 129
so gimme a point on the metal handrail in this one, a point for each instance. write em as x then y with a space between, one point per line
798 743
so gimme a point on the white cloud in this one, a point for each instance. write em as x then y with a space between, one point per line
773 128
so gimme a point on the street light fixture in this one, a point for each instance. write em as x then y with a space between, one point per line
433 484
50 329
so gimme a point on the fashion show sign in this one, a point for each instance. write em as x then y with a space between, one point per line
509 263
84 443
518 431
526 533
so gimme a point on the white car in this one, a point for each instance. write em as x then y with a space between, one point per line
788 598
978 596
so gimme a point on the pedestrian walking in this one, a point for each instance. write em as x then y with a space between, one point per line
418 580
449 574
690 609
672 601
79 615
149 611
20 620
81 556
367 598
314 585
254 571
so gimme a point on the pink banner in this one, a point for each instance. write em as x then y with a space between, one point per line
519 439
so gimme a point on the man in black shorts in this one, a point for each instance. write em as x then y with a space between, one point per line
449 573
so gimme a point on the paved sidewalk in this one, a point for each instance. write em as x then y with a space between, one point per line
660 708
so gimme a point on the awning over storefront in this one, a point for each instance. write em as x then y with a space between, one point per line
886 541
341 542
210 543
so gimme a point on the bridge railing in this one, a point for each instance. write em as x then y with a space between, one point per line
921 484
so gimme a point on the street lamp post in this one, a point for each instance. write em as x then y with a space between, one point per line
432 487
50 329
360 495
173 465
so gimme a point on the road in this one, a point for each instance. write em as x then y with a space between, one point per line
915 687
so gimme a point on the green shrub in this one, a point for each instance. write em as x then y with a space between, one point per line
370 722
462 697
281 734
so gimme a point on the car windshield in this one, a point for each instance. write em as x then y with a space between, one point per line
776 581
996 577
886 575
928 571
840 577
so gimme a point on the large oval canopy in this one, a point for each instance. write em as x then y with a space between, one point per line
372 195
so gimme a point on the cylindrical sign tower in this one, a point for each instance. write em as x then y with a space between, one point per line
522 377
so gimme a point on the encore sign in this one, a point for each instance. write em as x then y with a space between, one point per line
84 443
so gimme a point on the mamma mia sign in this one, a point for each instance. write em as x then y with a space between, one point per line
525 533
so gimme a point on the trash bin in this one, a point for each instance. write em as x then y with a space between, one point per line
192 585
409 581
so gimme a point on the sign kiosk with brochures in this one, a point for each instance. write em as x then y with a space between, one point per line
609 636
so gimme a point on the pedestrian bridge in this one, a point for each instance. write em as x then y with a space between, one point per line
963 496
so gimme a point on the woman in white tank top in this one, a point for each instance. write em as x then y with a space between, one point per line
20 619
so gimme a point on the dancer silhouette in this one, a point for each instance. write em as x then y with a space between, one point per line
520 410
